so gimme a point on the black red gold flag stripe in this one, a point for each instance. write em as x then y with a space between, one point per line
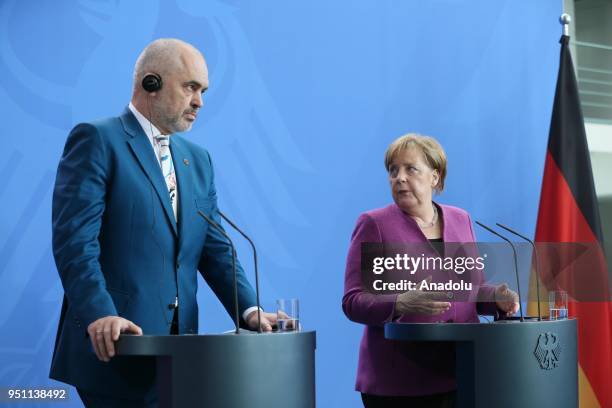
568 212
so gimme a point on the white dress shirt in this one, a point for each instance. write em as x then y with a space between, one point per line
151 131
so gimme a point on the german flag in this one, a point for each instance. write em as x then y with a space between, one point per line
569 213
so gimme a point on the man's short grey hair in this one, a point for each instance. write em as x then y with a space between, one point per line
161 56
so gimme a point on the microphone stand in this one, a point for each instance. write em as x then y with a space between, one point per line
254 261
518 285
218 228
537 262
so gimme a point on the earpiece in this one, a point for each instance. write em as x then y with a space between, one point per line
151 83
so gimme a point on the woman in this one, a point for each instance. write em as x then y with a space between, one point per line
404 374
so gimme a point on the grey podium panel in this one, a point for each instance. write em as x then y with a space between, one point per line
506 363
254 370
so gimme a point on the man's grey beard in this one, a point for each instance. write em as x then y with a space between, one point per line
170 123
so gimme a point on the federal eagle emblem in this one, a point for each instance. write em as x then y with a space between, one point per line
548 350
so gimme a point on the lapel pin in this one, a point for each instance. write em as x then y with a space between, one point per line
186 162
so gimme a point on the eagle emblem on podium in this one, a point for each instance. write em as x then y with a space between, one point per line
548 350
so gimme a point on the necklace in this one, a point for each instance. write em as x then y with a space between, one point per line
433 221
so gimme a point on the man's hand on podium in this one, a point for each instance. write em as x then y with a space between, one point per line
267 321
506 299
105 332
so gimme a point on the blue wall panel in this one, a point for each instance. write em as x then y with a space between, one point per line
304 98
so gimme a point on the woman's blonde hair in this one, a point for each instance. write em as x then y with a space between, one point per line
431 149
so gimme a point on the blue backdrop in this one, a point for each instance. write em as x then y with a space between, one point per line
304 98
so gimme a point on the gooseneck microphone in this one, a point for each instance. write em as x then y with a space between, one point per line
234 226
218 228
537 262
518 286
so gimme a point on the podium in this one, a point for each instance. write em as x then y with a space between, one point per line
506 363
255 370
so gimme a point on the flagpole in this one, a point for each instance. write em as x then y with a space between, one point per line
565 21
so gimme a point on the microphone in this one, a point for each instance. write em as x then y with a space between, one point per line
218 228
518 286
537 263
234 226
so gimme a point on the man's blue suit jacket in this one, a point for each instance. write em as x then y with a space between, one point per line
119 251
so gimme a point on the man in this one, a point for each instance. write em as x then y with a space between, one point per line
127 237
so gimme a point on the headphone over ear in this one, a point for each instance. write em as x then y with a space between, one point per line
151 83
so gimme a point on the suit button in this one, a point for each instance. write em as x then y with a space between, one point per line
178 265
174 305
